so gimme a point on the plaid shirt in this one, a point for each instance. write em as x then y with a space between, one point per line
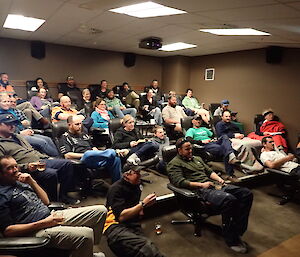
20 115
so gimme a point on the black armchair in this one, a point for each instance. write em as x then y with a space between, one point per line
286 182
190 203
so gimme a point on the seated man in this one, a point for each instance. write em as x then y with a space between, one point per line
115 105
275 159
75 144
129 96
224 107
187 111
48 172
233 202
243 145
156 91
24 212
219 148
63 111
69 86
122 228
41 143
271 127
172 113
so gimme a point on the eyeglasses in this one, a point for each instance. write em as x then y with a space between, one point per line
270 141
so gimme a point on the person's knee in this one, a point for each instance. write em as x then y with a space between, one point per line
149 249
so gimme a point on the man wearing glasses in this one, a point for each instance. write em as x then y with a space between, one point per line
275 159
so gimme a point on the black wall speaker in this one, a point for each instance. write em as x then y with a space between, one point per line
274 54
38 49
129 59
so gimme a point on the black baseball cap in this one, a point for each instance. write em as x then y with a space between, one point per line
8 118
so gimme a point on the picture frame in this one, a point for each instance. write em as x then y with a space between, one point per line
210 74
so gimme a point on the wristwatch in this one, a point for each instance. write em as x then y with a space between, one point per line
143 204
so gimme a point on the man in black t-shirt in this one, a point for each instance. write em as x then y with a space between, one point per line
24 211
122 228
69 86
75 144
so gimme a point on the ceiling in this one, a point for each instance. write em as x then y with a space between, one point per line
71 22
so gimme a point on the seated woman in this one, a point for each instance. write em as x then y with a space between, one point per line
192 103
149 107
41 103
271 127
128 137
129 97
39 83
101 116
87 102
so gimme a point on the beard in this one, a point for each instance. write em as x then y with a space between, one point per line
173 105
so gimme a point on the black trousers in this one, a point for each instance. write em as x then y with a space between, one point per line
234 204
129 241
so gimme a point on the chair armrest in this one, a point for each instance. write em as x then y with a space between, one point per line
22 243
150 162
97 130
38 131
182 191
56 206
280 172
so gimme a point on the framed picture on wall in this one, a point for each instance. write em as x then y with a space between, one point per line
210 74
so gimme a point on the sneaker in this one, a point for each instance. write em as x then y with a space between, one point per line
233 179
233 160
239 248
69 200
99 254
133 160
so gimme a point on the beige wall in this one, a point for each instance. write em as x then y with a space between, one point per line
87 65
251 85
176 73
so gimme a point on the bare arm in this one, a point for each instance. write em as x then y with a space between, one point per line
278 163
25 229
134 211
201 185
72 155
27 179
216 177
63 116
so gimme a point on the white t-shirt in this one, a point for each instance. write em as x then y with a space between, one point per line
276 155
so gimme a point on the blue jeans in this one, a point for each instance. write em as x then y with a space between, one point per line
107 158
57 171
43 144
234 203
145 150
222 148
120 113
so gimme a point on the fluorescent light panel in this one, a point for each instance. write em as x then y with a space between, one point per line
21 22
236 32
176 46
147 9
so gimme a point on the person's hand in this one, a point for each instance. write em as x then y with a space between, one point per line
239 136
206 141
26 178
133 143
149 200
53 220
122 108
95 148
290 156
206 184
109 108
32 166
221 181
27 132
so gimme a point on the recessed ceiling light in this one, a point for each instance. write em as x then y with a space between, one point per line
236 32
21 22
147 9
176 46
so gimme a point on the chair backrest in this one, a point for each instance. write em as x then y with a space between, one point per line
212 107
58 128
76 99
186 123
30 84
169 152
113 125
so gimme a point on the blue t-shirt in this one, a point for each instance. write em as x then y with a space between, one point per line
19 204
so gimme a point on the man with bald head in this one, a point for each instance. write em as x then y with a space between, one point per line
63 111
75 144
